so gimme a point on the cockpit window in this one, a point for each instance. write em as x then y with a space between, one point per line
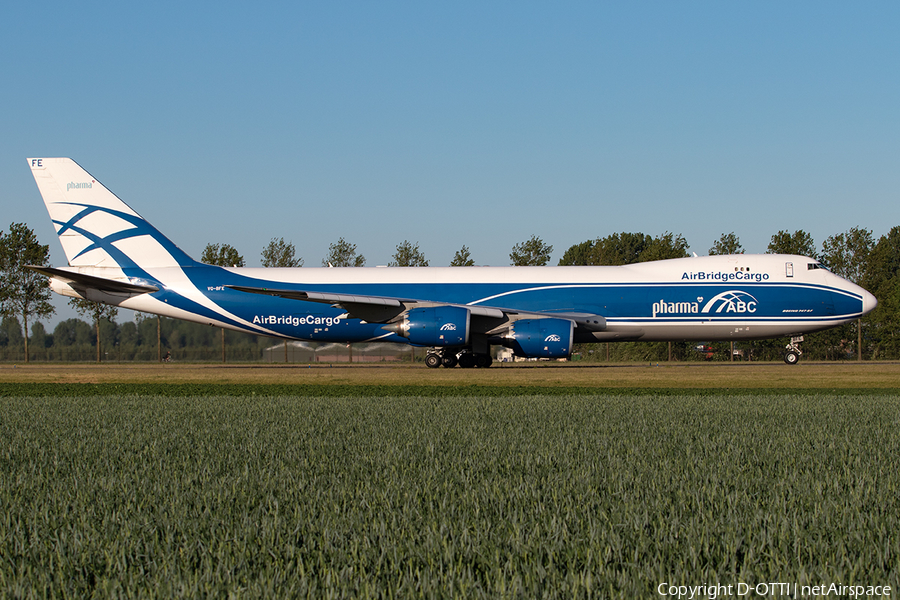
814 266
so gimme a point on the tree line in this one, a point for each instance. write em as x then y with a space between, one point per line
147 338
25 297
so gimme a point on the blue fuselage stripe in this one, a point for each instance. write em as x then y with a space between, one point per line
645 304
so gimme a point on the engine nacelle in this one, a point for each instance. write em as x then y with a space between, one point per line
434 326
541 338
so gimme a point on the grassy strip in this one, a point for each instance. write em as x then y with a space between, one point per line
183 390
451 496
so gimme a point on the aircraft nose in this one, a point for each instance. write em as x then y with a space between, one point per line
869 302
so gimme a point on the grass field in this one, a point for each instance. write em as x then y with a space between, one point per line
336 486
750 376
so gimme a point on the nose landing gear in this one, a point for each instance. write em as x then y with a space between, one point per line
792 351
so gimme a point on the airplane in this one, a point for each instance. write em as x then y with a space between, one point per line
117 257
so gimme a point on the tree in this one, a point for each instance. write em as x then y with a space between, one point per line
23 292
621 248
626 248
97 311
665 246
728 243
884 263
10 332
847 254
579 254
343 254
280 254
462 258
408 255
533 252
223 255
799 242
39 337
71 332
882 278
128 334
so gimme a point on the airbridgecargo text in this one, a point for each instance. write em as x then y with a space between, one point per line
295 321
725 276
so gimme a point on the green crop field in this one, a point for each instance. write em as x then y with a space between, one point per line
160 491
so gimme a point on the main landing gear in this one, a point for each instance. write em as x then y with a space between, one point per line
465 359
792 351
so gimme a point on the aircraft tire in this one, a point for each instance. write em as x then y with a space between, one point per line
433 361
791 357
449 361
466 360
483 360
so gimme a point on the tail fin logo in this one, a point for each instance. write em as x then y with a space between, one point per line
95 227
120 228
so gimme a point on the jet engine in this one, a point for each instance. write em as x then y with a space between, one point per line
540 338
434 326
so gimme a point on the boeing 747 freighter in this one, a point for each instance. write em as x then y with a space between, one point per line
117 257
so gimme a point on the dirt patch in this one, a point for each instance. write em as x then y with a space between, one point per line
655 375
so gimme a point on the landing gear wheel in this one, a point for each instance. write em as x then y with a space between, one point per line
483 360
792 351
466 360
791 357
449 361
433 361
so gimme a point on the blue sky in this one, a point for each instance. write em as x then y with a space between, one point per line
459 123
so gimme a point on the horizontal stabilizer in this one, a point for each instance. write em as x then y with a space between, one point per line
90 281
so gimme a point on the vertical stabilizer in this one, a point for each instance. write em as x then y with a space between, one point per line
95 228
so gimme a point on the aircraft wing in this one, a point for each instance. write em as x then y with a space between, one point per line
381 309
90 281
327 298
374 309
